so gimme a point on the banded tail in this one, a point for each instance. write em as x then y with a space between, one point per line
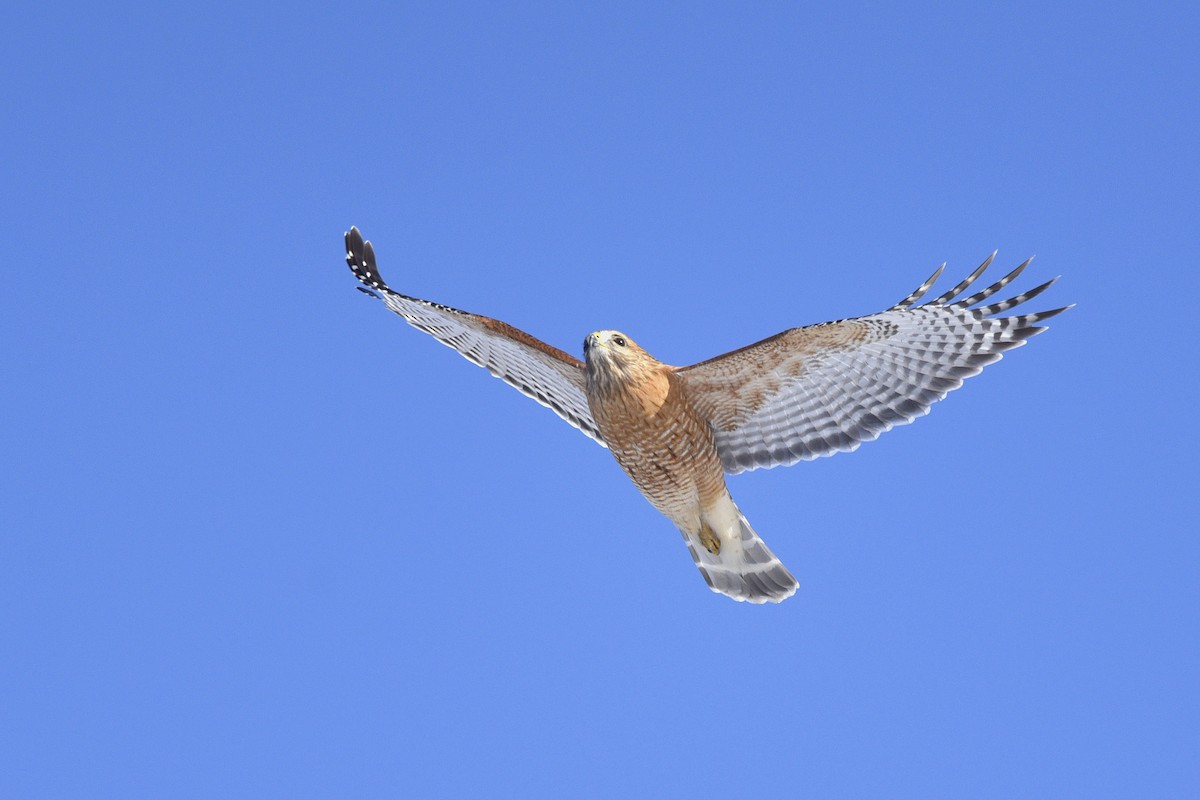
735 561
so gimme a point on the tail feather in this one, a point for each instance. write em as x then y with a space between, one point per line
743 567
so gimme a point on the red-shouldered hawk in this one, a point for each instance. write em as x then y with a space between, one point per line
806 392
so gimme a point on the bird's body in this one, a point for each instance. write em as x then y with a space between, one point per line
642 410
646 421
676 431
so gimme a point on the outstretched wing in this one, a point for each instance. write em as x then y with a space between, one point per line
822 389
547 374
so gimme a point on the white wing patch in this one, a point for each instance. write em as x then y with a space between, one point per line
824 389
548 375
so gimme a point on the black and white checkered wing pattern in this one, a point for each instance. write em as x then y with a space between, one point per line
547 374
824 389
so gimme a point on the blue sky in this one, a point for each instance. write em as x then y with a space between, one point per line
260 538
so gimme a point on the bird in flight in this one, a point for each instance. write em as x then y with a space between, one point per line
806 392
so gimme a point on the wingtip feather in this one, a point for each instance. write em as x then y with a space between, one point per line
360 256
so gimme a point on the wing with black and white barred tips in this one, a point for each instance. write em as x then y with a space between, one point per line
823 389
547 374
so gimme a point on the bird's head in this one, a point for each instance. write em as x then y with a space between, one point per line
613 356
609 347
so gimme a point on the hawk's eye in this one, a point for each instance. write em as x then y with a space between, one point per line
619 341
